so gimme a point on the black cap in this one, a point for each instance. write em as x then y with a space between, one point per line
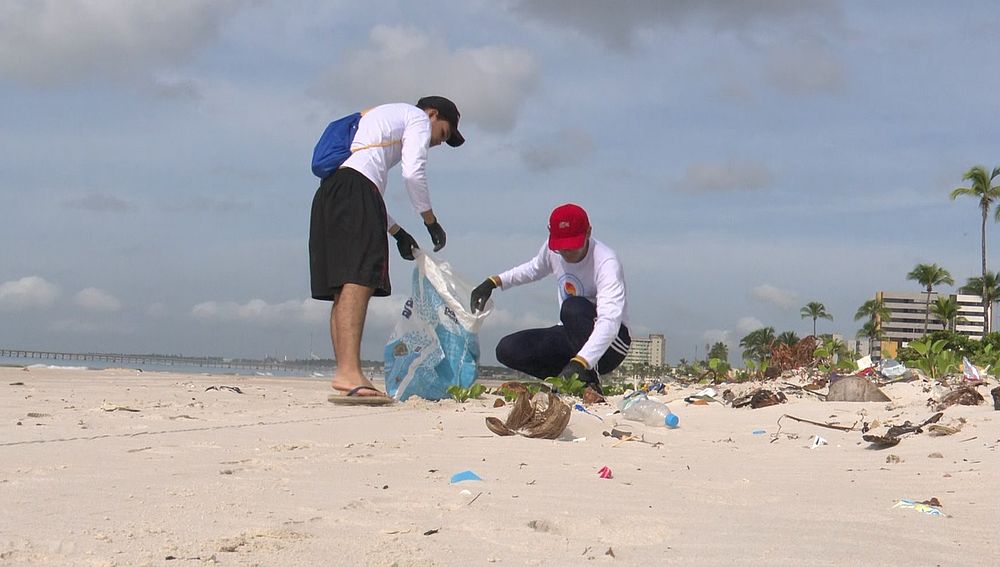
447 110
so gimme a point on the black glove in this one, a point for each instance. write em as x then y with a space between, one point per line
577 368
481 295
405 243
437 235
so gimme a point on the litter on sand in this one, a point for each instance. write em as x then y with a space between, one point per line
927 507
464 476
604 472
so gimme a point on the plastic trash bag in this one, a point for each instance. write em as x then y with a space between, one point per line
435 344
970 371
891 368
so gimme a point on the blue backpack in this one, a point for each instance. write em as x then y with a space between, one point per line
334 146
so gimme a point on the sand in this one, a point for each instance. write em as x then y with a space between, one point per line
279 476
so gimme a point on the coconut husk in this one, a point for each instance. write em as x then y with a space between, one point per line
544 417
760 398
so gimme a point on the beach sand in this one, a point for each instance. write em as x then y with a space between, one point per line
279 476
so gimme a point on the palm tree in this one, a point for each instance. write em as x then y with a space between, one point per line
816 310
876 312
757 344
929 275
871 331
989 287
719 350
983 189
946 310
788 337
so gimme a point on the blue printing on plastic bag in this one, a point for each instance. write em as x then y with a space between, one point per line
434 352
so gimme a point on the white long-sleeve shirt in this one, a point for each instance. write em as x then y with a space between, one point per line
599 277
398 133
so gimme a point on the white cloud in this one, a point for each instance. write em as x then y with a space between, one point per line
93 299
731 175
56 42
716 336
26 293
775 296
488 84
747 324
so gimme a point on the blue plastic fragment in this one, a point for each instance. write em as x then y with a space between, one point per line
759 431
463 476
579 407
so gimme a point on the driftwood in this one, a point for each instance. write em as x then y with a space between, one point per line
798 388
892 436
965 395
827 425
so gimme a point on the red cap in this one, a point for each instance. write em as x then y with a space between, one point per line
568 227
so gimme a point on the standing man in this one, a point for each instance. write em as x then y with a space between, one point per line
593 336
348 242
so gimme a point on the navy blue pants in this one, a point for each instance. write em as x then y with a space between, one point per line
543 353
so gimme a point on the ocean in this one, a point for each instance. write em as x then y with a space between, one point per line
306 373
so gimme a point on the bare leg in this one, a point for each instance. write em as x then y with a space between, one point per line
347 323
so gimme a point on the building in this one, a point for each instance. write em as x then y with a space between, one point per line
908 311
651 351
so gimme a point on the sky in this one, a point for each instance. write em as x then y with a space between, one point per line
743 159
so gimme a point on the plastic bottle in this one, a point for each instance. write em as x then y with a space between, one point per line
640 408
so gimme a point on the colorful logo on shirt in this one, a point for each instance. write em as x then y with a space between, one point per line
569 286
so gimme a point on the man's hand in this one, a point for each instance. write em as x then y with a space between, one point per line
437 235
481 295
577 367
405 243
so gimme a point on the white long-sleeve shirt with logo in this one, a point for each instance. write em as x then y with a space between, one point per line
599 277
397 133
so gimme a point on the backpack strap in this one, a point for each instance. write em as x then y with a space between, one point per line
379 145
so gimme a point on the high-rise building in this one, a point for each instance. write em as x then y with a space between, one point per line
651 351
909 310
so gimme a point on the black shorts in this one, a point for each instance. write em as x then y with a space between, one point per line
348 242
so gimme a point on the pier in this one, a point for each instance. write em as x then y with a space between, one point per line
138 360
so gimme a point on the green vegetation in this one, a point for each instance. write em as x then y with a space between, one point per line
719 369
933 358
834 355
757 345
462 395
572 386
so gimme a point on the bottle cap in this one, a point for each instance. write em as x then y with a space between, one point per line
671 420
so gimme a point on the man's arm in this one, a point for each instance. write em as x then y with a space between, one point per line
610 310
530 271
413 163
